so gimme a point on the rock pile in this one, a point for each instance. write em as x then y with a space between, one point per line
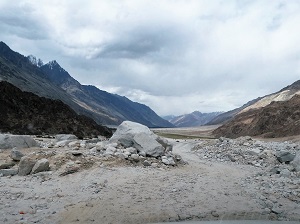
276 165
132 143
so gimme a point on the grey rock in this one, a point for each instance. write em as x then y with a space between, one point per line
16 155
146 163
8 141
135 157
25 166
126 131
154 164
63 143
145 143
165 143
6 165
76 153
284 156
40 166
296 162
285 173
62 137
131 150
8 172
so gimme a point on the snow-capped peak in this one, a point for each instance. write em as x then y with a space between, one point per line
35 61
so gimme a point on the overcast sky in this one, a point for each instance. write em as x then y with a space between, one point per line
176 56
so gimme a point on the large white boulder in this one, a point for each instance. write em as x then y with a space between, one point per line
131 134
8 141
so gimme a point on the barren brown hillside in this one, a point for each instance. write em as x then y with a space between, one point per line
278 119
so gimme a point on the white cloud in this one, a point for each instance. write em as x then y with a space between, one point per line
176 56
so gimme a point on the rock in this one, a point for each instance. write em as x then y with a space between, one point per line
16 155
131 150
62 137
146 143
285 157
165 160
154 164
285 173
135 157
254 151
25 166
164 142
131 134
146 163
8 172
40 166
63 143
6 165
101 146
126 131
8 141
296 162
76 153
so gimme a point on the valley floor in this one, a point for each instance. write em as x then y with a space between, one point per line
207 188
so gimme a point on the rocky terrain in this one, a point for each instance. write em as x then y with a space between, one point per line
138 177
277 119
26 113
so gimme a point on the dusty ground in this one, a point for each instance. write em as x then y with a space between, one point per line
111 193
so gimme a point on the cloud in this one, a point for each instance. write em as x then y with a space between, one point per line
185 54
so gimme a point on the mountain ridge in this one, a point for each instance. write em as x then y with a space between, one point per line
22 73
274 115
193 119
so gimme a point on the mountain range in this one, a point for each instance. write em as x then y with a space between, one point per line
193 119
52 81
274 115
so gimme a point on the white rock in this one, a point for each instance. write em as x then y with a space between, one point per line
131 150
126 131
62 137
146 143
40 166
135 157
8 141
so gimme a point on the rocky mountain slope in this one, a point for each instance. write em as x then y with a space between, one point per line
114 107
52 81
277 119
193 119
227 116
282 95
26 113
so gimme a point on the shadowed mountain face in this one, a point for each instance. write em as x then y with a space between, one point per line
277 119
26 113
52 81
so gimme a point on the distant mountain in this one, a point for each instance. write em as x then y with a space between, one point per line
112 108
193 119
26 113
169 117
52 81
275 115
